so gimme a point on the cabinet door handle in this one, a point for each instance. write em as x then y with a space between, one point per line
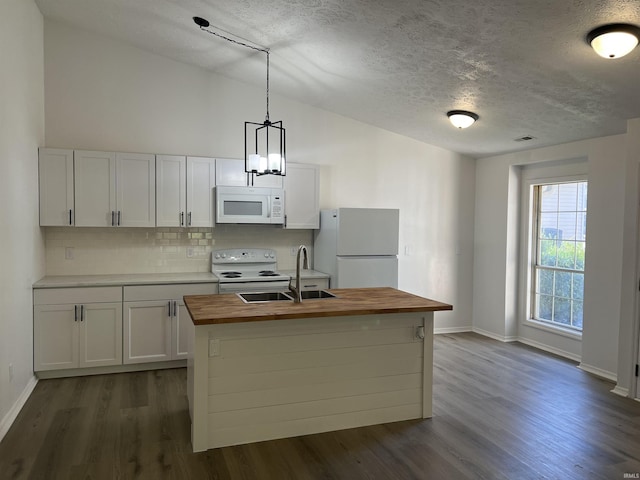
175 308
118 217
169 308
82 313
189 219
70 221
182 219
113 216
75 313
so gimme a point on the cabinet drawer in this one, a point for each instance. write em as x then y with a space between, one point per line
61 296
314 283
140 293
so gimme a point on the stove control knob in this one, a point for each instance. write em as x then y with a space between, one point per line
271 255
266 255
224 255
217 255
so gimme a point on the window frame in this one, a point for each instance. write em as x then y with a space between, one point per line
536 266
528 245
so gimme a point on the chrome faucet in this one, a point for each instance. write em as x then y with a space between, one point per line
296 289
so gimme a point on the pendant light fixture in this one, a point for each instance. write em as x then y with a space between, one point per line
264 143
461 118
614 40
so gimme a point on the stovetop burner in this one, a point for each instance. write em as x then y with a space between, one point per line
268 273
231 274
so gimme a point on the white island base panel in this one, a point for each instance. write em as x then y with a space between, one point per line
255 381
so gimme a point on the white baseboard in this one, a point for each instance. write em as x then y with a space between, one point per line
621 391
598 372
13 412
547 348
500 338
444 330
133 367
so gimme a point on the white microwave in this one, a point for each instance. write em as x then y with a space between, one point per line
249 205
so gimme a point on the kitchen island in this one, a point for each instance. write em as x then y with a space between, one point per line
261 371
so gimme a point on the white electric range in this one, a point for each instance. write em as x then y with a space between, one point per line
246 270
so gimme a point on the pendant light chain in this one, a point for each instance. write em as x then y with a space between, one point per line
264 143
266 120
252 47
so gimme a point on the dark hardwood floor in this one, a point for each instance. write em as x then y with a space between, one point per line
501 411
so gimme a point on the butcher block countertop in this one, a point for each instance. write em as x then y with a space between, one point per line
229 308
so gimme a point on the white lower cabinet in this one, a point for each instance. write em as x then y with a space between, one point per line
156 321
147 331
180 332
77 328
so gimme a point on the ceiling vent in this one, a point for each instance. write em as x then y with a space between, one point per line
526 138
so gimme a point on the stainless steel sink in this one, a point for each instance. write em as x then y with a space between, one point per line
314 294
264 297
283 296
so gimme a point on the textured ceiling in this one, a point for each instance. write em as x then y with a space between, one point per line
522 65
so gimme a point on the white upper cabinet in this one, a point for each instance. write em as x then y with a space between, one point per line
136 190
55 169
95 188
114 189
201 178
302 196
171 190
230 172
105 189
184 191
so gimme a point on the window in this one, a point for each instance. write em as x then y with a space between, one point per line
560 214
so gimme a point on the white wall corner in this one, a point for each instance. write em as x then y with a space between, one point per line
13 412
598 372
629 333
512 253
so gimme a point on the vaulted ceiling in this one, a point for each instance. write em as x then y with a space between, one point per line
524 66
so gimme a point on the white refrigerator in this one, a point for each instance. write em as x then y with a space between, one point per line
358 247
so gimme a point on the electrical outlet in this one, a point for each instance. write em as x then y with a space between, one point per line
189 252
10 372
68 253
214 347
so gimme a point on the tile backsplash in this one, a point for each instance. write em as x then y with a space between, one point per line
99 251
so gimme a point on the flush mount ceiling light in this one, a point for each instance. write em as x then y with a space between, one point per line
614 40
462 118
264 143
